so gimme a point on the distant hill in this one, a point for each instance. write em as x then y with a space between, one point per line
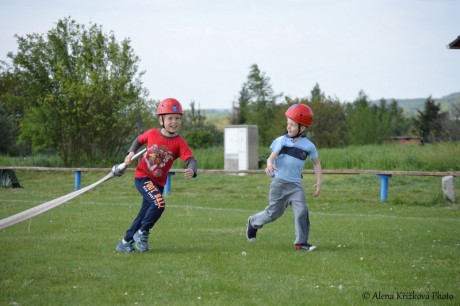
411 106
216 113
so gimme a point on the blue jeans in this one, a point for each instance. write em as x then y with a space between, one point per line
153 205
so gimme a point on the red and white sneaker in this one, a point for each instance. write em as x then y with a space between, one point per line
305 247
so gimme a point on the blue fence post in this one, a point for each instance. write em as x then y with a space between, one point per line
77 180
168 183
384 186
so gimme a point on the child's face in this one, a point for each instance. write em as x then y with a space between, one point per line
293 128
171 122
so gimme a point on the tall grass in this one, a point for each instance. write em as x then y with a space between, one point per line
430 157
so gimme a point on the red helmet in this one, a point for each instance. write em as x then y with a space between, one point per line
169 106
300 113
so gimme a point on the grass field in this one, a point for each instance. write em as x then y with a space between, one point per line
368 252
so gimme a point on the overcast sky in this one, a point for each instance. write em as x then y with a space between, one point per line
201 50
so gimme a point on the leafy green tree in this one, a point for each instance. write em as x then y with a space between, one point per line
329 128
257 104
429 122
240 107
371 124
146 119
11 113
7 131
389 119
360 122
80 90
199 133
399 125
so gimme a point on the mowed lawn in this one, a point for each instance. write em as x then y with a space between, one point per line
405 251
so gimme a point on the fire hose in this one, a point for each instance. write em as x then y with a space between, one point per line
117 170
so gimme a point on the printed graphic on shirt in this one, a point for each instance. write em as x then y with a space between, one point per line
295 152
156 158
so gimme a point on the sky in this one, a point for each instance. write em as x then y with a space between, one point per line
202 50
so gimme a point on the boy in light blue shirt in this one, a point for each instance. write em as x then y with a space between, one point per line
285 165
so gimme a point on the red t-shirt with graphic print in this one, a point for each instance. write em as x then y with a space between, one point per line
160 155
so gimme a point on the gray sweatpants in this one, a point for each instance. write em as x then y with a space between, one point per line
282 193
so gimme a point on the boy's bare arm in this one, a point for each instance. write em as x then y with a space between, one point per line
319 176
270 163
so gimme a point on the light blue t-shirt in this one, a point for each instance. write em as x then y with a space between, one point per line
292 156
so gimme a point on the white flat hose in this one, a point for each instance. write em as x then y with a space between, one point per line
36 210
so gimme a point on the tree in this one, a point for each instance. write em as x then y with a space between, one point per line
361 124
429 122
240 108
399 125
197 131
8 127
328 129
455 112
389 119
453 122
371 123
7 131
80 90
257 104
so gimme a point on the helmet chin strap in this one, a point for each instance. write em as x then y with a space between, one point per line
163 126
298 134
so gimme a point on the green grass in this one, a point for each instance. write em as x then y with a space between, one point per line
67 255
430 157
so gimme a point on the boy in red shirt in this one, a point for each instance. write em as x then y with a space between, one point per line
164 146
